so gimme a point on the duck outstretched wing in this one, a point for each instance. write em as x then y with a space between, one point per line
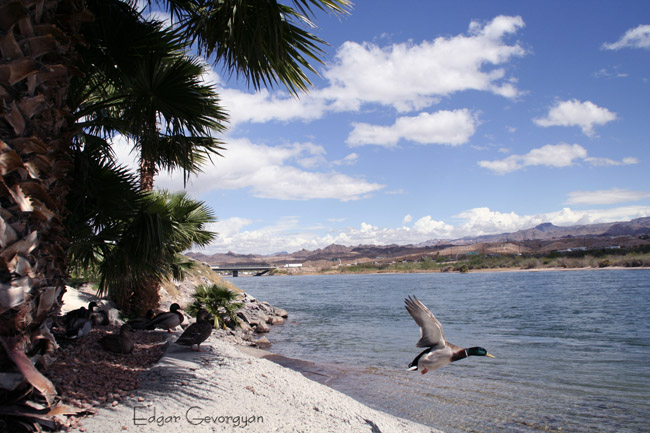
431 334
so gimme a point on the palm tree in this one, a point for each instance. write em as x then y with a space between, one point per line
131 82
263 40
131 239
149 247
149 91
168 91
40 57
220 302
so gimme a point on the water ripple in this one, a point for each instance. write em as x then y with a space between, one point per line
571 347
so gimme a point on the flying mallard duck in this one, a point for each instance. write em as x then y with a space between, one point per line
439 351
141 322
168 320
197 332
121 343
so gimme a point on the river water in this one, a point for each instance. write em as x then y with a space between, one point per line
572 347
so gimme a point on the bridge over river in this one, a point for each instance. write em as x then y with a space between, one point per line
260 270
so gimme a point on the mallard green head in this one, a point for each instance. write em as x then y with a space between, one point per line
478 351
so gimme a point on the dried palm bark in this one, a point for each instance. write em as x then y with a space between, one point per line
37 43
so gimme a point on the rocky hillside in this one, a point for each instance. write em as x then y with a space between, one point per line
549 231
256 316
540 239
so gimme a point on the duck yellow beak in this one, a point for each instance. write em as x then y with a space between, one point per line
490 356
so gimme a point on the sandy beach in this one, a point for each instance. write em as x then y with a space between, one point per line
229 387
225 388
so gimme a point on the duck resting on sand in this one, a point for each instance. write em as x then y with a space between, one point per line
439 351
121 343
78 325
169 320
141 322
79 312
98 317
197 332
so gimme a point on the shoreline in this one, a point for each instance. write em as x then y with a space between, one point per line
471 271
477 271
229 386
226 386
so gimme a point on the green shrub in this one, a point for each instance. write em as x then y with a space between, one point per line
220 302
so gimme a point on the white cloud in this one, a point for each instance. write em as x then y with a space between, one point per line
576 113
350 159
410 77
606 196
599 161
264 106
551 155
442 127
283 235
482 221
638 37
405 76
288 235
277 172
230 226
605 73
429 226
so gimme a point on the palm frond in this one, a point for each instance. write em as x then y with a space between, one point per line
150 244
219 301
263 41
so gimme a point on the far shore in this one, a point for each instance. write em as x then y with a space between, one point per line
471 271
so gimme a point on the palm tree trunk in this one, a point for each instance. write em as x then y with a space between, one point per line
147 173
37 43
145 298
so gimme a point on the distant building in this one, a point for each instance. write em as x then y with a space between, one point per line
293 265
569 250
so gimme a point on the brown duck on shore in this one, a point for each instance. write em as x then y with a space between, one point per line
197 332
120 343
141 322
79 312
98 317
77 325
168 320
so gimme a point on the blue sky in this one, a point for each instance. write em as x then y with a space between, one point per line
438 120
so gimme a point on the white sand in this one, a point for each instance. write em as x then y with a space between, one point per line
225 389
230 388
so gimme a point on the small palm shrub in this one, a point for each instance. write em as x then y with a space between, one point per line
220 302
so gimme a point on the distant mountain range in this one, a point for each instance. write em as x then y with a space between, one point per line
542 238
547 231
